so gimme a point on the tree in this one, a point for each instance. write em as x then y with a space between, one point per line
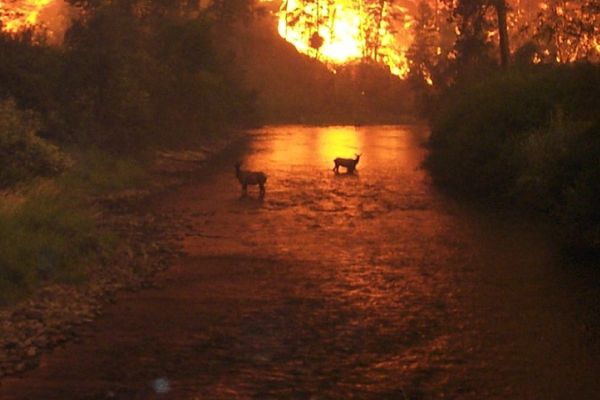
500 7
422 54
567 30
312 17
227 12
473 47
377 16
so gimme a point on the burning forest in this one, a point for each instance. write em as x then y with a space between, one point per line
403 35
299 199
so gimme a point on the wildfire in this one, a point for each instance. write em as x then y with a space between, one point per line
342 31
18 15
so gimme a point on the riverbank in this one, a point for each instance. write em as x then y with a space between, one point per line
140 243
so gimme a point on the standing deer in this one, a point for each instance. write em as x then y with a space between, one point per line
348 163
250 178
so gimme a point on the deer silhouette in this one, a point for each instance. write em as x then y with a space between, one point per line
348 163
250 178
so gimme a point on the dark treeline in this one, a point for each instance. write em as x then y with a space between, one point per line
515 128
124 79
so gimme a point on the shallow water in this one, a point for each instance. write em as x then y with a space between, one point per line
368 286
389 289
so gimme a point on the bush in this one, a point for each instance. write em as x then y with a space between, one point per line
24 155
478 125
530 137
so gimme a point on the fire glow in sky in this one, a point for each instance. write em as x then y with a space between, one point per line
341 31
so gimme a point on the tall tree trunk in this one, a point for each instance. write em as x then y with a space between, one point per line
500 6
378 29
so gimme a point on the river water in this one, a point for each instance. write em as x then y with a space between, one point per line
372 285
386 288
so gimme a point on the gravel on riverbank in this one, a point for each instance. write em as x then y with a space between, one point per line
149 242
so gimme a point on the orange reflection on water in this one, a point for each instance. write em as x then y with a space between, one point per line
298 148
342 141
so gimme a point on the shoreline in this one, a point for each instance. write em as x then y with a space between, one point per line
55 314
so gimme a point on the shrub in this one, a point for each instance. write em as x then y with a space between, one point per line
530 137
24 155
479 124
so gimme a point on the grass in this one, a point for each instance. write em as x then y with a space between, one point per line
97 173
46 239
48 231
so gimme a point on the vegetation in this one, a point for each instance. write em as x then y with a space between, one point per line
23 154
518 128
46 238
85 113
528 136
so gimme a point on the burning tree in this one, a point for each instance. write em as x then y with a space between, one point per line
568 31
423 52
344 31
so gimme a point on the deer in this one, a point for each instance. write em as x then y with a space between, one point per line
250 178
348 163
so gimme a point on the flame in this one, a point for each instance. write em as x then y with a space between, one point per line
341 26
427 77
21 14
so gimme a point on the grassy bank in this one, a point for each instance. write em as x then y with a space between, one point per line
528 137
49 229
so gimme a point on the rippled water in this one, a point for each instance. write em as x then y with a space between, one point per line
365 286
384 288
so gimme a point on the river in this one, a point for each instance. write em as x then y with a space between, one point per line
372 285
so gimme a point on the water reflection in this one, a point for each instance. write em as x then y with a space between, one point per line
335 142
293 147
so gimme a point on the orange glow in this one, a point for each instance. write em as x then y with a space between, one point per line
342 27
342 141
427 77
21 14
